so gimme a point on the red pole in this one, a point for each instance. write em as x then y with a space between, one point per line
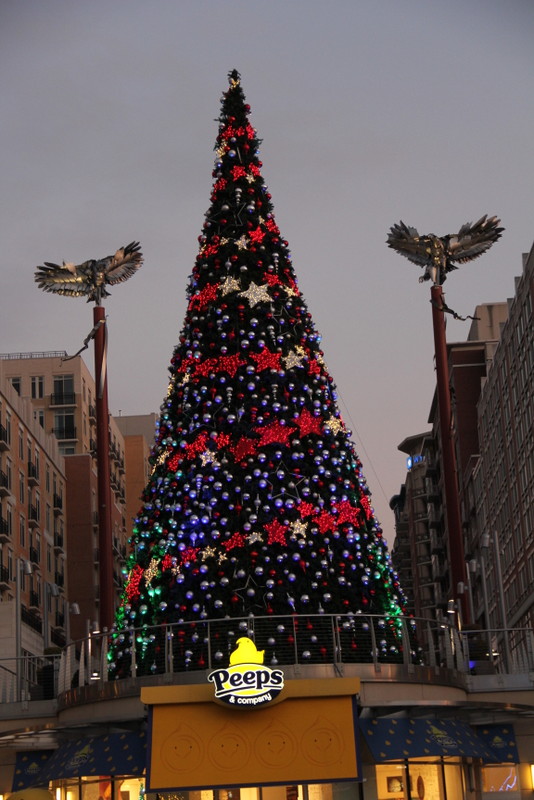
105 542
450 481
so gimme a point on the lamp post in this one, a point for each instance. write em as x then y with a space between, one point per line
438 255
90 280
50 590
23 567
448 454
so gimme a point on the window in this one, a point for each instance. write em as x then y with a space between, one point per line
15 383
37 387
64 427
22 531
21 444
64 390
22 492
39 416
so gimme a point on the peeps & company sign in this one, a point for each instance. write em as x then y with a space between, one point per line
246 682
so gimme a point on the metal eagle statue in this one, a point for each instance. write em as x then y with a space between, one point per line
441 254
90 278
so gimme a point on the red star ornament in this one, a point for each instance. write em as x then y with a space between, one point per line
237 540
348 513
266 360
276 532
245 447
309 424
325 522
198 446
207 295
305 509
275 432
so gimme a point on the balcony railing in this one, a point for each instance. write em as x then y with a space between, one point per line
5 531
188 647
5 439
63 399
5 578
33 474
65 432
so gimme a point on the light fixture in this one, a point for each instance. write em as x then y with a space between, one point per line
450 607
532 775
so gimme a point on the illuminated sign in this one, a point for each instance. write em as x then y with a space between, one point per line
247 681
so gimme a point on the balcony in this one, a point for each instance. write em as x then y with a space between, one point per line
59 579
58 504
33 474
436 543
33 516
31 619
58 542
5 488
5 581
92 412
65 432
34 601
5 439
35 557
59 621
5 531
63 399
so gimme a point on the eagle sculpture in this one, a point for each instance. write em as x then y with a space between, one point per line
90 278
441 254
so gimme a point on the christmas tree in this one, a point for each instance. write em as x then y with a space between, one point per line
256 507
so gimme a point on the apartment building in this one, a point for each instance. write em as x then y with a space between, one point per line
62 395
34 604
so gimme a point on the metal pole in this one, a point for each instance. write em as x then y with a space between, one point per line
452 501
105 541
484 549
46 632
18 632
502 605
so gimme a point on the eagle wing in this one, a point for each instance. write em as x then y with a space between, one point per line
406 241
85 280
55 278
473 240
123 264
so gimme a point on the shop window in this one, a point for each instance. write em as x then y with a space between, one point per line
499 778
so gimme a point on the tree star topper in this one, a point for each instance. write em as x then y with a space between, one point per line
89 279
438 254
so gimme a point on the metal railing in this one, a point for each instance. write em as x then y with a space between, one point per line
286 640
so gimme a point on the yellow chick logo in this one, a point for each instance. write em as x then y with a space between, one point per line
246 653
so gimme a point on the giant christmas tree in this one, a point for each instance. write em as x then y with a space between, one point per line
256 513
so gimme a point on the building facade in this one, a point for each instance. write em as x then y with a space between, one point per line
34 607
62 395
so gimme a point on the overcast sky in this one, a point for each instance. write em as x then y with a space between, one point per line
370 111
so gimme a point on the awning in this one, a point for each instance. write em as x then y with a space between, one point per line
394 739
500 739
29 765
114 754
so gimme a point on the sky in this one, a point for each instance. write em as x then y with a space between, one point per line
370 111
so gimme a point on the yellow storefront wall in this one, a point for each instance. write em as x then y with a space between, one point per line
306 736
